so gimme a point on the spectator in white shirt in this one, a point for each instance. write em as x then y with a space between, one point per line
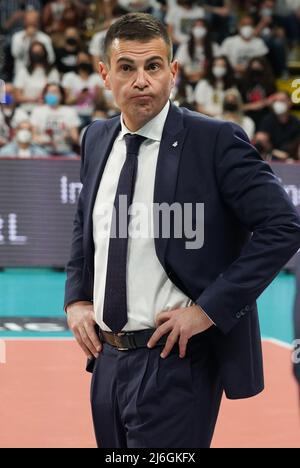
233 112
209 92
82 87
244 46
181 18
30 81
56 125
196 55
22 40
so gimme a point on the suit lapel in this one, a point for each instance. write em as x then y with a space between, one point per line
167 170
102 146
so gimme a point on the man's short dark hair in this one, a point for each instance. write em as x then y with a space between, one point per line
136 27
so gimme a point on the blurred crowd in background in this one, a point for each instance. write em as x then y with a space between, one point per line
238 60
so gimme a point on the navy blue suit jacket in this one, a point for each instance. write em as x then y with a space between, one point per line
251 231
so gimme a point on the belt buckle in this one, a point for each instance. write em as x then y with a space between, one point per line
118 343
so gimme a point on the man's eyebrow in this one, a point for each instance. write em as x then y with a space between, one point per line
127 59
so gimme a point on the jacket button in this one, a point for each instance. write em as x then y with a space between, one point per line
239 315
247 308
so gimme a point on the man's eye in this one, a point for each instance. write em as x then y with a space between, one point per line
154 66
125 68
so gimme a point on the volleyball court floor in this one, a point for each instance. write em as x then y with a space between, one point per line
44 390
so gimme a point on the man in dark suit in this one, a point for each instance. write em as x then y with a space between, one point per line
177 320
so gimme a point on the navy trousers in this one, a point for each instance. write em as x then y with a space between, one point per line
140 400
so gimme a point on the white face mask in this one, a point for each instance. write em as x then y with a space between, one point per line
24 136
280 107
199 32
247 31
219 72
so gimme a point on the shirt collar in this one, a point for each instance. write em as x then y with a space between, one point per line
152 129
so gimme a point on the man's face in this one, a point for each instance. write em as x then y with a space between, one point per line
140 78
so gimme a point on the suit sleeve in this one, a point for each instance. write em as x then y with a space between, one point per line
74 290
251 190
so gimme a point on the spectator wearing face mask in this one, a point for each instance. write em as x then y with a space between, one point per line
55 124
22 146
209 92
10 115
233 112
273 34
181 18
82 87
22 40
30 81
66 55
196 55
283 128
241 48
256 88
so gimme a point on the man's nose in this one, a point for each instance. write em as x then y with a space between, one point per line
141 79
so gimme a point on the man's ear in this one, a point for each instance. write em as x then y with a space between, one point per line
103 71
174 71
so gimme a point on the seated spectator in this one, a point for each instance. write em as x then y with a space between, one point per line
196 55
220 17
30 81
10 115
283 128
59 15
181 18
240 49
209 92
66 55
183 93
233 112
55 124
12 14
22 146
263 144
21 41
256 88
273 35
12 20
83 87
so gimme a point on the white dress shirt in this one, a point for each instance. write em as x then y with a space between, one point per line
149 290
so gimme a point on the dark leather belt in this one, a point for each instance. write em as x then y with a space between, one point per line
126 341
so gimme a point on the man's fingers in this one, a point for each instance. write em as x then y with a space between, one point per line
82 345
183 341
90 330
172 339
162 317
87 342
159 332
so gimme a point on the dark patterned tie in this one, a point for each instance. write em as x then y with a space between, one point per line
115 299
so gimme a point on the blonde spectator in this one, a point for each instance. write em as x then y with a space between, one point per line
233 112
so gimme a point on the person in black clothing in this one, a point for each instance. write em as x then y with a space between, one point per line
256 88
283 128
66 56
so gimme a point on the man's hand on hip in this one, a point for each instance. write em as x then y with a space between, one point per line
81 320
182 324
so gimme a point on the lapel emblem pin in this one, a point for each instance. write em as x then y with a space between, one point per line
175 144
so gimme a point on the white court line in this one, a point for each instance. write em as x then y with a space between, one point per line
281 344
